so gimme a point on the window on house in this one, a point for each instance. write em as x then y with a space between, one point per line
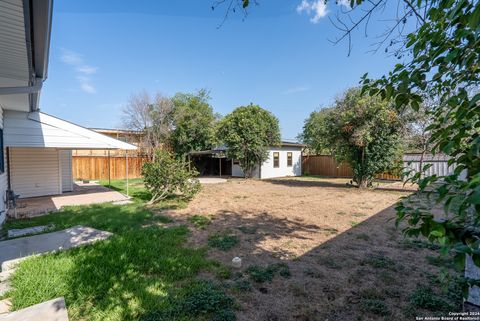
2 156
289 159
276 159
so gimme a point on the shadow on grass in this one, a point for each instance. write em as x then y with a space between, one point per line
108 217
118 279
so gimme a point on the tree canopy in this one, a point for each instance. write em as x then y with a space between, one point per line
363 131
247 132
194 123
315 130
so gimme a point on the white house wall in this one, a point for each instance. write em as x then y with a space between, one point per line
35 171
3 179
66 170
268 171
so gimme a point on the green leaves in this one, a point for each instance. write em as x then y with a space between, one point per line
247 132
445 65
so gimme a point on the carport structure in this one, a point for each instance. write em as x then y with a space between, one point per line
39 162
212 162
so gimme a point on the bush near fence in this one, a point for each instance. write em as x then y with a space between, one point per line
326 165
99 167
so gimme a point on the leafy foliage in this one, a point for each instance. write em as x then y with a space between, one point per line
167 177
248 131
315 130
360 130
445 53
194 123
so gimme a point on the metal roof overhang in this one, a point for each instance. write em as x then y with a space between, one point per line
36 129
25 28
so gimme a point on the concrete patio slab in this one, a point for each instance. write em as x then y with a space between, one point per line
53 310
12 251
83 194
212 180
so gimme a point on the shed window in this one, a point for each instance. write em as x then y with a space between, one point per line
289 159
2 156
276 159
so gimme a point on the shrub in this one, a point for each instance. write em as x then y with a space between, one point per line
169 177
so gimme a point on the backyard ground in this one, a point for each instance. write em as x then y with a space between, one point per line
312 249
345 258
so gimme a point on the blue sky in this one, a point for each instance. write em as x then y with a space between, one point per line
278 57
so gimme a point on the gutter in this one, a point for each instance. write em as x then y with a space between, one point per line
38 26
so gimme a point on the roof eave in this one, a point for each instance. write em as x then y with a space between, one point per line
38 26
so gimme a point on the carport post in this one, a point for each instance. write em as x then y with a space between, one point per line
126 167
220 165
109 170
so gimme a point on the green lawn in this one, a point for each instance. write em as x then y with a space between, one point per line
143 272
136 188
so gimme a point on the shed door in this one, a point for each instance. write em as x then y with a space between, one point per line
35 171
66 169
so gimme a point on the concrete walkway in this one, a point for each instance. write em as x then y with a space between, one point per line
53 310
12 251
212 180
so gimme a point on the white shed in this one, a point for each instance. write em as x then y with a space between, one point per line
284 160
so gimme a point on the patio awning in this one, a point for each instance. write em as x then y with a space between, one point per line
37 129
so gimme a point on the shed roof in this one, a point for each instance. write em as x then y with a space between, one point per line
37 129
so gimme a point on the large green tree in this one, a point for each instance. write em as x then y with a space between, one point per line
194 123
247 132
315 130
361 130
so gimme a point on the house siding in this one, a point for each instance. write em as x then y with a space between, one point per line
3 179
35 171
66 170
268 171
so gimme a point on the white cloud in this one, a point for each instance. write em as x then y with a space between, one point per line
345 3
317 8
82 69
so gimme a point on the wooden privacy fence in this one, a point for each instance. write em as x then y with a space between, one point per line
98 167
326 165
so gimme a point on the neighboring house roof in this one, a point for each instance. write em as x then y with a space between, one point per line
24 47
117 131
223 148
37 129
291 144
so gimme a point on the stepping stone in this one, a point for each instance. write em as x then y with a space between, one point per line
5 307
53 310
13 251
29 230
124 202
5 287
4 276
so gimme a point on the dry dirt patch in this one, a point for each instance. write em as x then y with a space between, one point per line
346 260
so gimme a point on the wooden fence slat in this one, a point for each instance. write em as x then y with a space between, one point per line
97 167
326 165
